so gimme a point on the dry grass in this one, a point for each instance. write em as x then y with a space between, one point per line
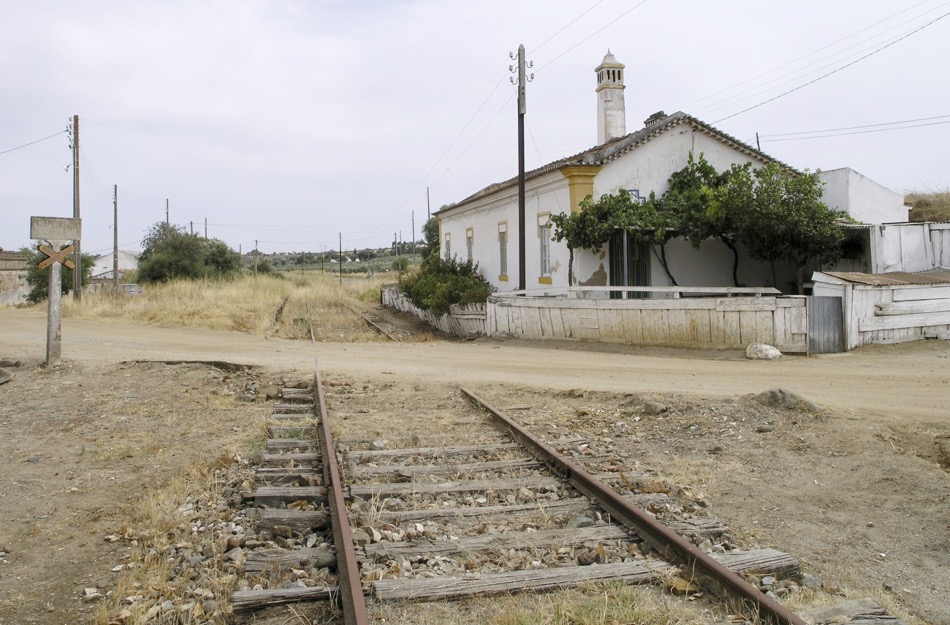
150 589
612 604
933 206
264 306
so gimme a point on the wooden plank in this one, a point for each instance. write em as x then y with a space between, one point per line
274 445
717 328
637 572
288 477
297 395
911 293
298 520
276 560
397 470
548 508
740 304
868 324
246 600
293 408
296 458
678 324
369 455
702 326
541 539
746 327
765 327
519 510
459 486
914 307
274 495
732 329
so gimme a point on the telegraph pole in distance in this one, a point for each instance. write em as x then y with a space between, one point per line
77 256
206 227
115 238
520 83
341 258
256 254
167 222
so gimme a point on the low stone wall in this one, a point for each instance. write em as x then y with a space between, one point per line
462 321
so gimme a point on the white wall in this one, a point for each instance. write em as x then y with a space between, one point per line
546 195
862 198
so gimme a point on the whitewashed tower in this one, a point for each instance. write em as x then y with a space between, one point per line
611 115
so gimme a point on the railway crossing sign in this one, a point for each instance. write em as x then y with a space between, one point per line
53 256
56 231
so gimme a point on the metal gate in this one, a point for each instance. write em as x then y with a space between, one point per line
825 325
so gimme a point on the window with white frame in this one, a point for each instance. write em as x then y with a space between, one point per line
447 248
544 233
469 243
503 249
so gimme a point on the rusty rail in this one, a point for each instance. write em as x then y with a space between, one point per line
373 324
673 547
351 590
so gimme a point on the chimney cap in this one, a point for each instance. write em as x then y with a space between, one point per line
652 119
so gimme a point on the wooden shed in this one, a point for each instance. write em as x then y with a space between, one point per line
889 307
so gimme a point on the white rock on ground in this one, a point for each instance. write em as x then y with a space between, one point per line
762 351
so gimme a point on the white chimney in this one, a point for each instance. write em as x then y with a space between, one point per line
611 114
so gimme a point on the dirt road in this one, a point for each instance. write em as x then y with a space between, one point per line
880 379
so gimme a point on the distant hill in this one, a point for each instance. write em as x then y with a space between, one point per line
929 206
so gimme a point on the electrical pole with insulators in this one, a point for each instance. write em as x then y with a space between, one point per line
77 255
115 238
521 82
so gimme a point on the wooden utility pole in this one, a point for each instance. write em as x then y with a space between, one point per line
77 255
115 239
256 254
206 227
341 258
522 108
167 221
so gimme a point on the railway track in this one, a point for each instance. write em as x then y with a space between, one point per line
500 511
510 513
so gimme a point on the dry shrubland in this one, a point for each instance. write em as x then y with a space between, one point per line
270 305
932 206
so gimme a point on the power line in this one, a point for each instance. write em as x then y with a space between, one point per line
823 76
809 132
593 34
565 27
20 147
855 132
816 51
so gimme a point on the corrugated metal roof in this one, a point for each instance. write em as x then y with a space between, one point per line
616 148
933 276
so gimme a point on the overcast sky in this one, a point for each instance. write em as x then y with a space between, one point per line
290 122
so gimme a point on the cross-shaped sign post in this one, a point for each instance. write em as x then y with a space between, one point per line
56 231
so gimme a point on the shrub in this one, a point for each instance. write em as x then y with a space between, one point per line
439 283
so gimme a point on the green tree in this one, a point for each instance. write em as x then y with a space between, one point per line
38 279
169 253
699 210
780 216
430 237
595 223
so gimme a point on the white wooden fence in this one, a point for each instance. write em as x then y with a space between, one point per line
699 322
462 321
760 316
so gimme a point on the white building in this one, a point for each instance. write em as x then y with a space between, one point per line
484 226
103 266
